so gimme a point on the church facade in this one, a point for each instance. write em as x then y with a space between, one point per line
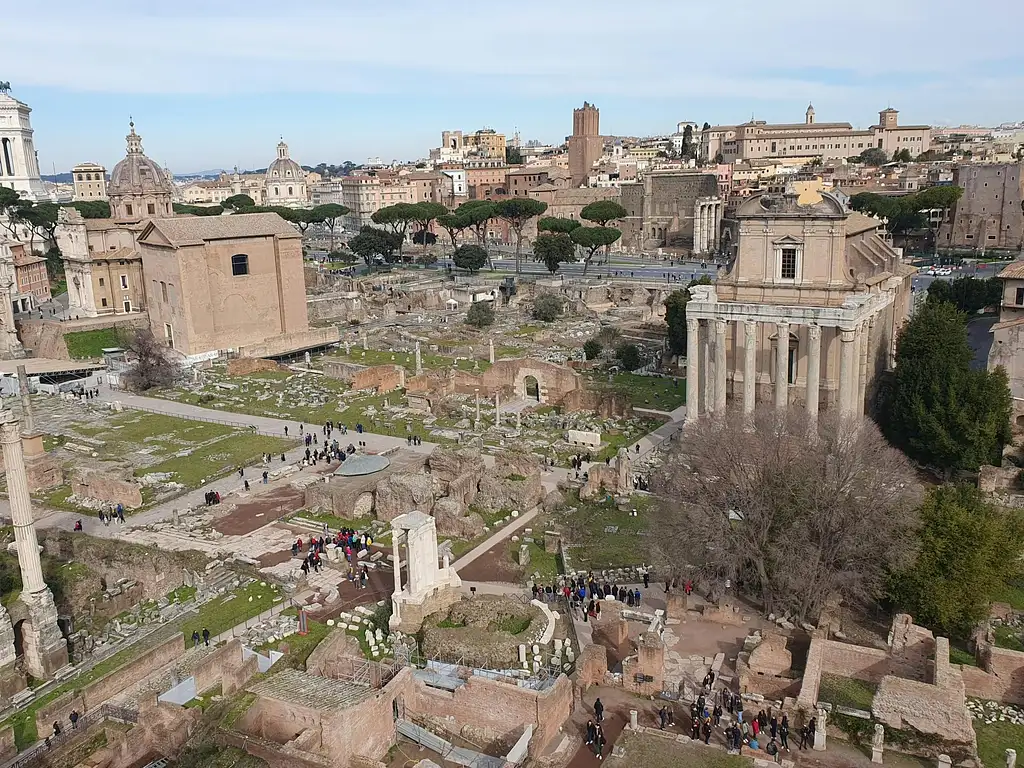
806 313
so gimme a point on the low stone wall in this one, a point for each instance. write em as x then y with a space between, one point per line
607 405
7 746
244 366
106 487
290 342
383 378
842 659
209 672
1000 678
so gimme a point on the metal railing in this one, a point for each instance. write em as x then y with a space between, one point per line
34 755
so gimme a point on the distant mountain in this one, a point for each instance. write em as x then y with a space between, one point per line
60 178
210 174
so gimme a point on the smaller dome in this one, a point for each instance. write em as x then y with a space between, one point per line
137 174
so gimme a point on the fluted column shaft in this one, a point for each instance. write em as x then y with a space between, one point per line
692 369
720 378
396 553
847 370
21 506
749 365
813 371
782 366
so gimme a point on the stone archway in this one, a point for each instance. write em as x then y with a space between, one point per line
531 388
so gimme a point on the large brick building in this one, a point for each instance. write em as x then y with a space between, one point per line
585 144
989 215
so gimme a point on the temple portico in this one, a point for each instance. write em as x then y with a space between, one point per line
707 221
806 314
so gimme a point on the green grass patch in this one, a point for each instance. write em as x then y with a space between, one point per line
1012 592
961 656
182 594
657 393
407 360
53 442
447 623
237 709
600 535
846 692
514 625
1008 637
204 699
218 458
232 609
84 345
544 566
994 739
298 646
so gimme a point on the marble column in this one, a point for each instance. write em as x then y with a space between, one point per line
692 369
419 360
490 351
366 342
707 385
710 244
782 366
697 222
396 605
813 371
46 651
749 365
497 410
396 552
476 392
720 383
847 370
865 359
28 417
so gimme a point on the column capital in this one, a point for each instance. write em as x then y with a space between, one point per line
692 323
847 334
720 324
782 326
814 331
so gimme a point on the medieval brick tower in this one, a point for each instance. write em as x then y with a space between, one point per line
585 144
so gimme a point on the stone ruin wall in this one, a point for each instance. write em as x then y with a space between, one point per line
245 366
106 486
1000 676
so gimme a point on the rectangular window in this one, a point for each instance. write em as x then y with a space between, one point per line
101 282
1020 297
163 290
124 282
169 335
151 209
128 209
789 263
103 302
239 264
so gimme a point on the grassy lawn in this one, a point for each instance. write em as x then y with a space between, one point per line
24 722
232 609
298 646
995 738
654 752
1011 592
408 359
594 546
660 394
88 344
1009 637
961 656
218 458
544 564
846 692
159 435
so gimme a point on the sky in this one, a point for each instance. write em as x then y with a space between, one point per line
216 84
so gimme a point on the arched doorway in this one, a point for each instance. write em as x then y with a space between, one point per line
793 360
531 388
19 638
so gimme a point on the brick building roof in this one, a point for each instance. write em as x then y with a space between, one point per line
186 230
311 691
1013 271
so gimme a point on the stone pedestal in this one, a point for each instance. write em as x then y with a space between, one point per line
819 731
429 587
675 605
46 650
878 744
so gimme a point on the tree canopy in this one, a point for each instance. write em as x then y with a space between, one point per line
874 156
629 356
593 348
372 242
557 224
904 211
469 257
546 307
454 224
197 210
675 315
603 211
968 294
590 239
424 213
328 215
790 520
553 249
239 203
480 314
936 408
396 218
516 211
967 550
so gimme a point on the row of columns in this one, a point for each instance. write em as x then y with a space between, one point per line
709 352
706 220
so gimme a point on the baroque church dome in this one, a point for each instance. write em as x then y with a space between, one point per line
137 174
284 169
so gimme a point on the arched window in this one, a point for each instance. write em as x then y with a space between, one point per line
239 264
79 177
277 191
289 191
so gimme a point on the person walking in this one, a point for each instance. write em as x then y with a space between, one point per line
599 743
784 732
73 717
195 638
598 710
591 732
206 636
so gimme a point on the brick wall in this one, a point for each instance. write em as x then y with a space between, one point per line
373 721
1000 678
7 747
650 662
498 709
593 666
913 705
103 486
383 378
209 672
247 365
96 693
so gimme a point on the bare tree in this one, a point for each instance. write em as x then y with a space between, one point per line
152 362
789 514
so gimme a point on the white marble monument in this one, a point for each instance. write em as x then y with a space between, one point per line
428 587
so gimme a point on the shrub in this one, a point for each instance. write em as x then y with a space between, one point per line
480 314
547 307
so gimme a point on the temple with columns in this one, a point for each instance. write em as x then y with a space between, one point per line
806 312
